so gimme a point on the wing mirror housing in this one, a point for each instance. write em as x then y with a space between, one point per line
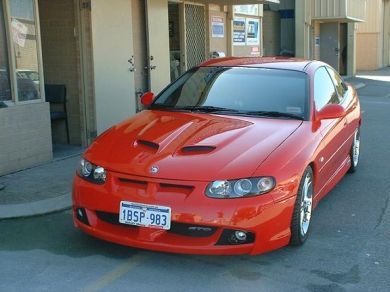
331 111
147 98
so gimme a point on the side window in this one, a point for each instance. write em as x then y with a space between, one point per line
324 90
338 82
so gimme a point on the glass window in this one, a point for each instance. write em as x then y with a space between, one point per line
5 86
242 89
338 82
24 37
324 90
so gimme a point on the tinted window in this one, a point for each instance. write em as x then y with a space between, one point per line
324 91
338 82
244 89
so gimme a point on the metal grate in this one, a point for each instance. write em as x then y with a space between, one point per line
195 34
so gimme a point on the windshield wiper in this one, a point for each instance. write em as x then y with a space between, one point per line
207 109
274 114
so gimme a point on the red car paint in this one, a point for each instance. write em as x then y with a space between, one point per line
282 148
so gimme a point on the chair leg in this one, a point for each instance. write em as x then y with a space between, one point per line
67 130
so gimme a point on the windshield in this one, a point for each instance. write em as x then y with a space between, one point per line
238 90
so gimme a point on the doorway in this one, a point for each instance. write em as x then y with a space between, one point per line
279 28
62 71
333 49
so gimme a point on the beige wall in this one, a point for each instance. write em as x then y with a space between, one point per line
386 34
369 41
217 44
61 61
367 50
316 34
25 136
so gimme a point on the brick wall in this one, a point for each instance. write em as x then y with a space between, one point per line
61 61
25 136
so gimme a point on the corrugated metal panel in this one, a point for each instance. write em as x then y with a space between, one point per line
345 10
373 23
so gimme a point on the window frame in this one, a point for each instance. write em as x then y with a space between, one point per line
12 58
314 88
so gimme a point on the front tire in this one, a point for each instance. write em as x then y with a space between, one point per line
300 223
354 154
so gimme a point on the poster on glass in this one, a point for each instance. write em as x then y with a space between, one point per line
239 31
252 32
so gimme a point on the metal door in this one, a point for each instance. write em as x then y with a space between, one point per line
330 44
113 57
158 44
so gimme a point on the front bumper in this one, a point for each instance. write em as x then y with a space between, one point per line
260 216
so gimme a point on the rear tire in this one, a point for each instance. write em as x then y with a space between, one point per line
300 223
354 154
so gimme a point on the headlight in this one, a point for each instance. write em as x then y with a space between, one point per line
247 187
91 172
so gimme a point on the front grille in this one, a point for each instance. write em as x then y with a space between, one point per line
192 230
176 227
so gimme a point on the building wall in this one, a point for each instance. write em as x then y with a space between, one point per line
316 47
61 61
217 44
386 34
369 41
25 136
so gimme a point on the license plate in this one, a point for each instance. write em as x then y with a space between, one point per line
145 215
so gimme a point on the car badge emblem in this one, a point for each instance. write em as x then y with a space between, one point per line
154 169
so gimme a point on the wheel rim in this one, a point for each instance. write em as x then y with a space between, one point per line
306 204
356 149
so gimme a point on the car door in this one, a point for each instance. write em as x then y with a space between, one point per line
330 155
349 102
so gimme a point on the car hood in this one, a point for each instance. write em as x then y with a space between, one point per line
189 146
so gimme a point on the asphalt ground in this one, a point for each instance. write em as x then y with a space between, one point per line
348 249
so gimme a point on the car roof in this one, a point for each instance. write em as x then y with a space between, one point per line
286 63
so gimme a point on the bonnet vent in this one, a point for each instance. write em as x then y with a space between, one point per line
197 149
148 144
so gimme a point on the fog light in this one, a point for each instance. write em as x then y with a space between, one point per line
82 215
240 235
235 237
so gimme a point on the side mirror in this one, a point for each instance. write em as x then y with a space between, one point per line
331 111
147 98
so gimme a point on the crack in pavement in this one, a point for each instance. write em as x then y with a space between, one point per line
383 212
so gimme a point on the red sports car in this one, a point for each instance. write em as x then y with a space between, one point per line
231 158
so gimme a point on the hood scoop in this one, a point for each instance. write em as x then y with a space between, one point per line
197 149
148 144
